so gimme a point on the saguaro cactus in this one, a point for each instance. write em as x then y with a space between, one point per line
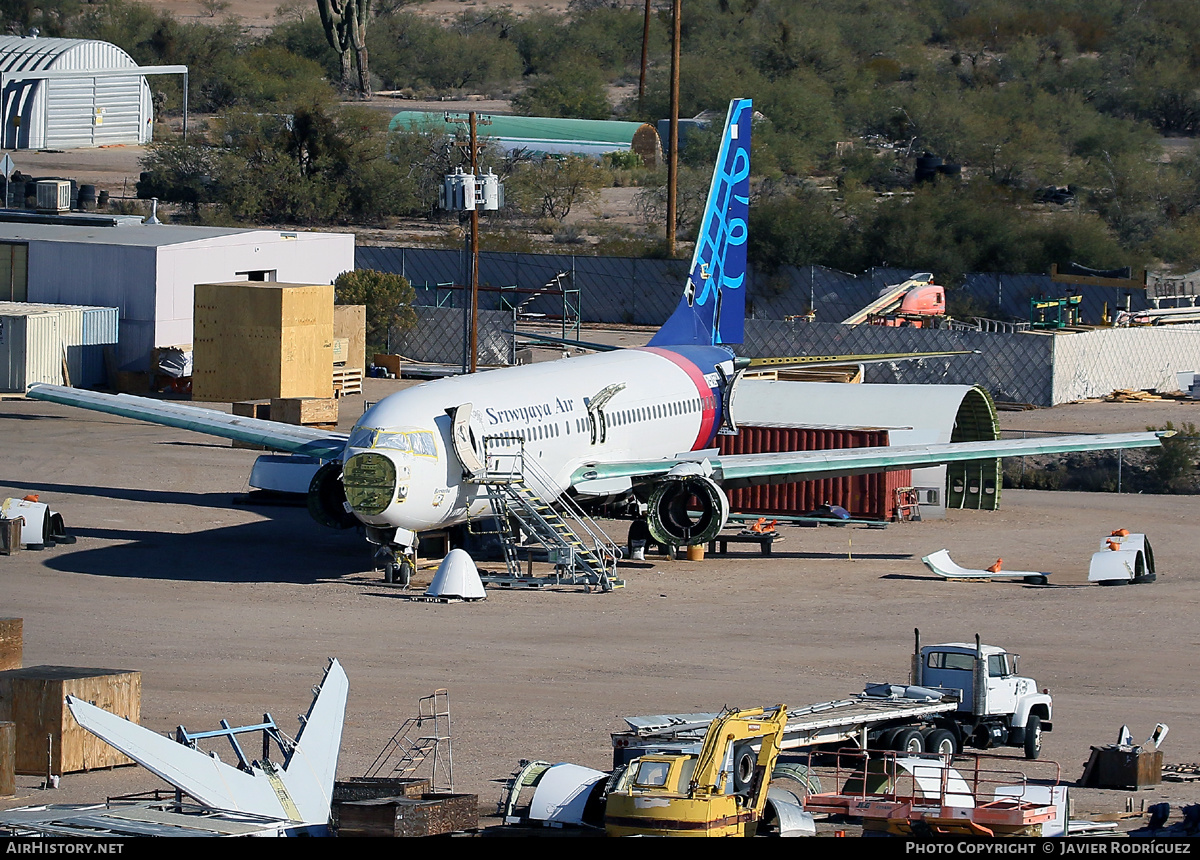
346 29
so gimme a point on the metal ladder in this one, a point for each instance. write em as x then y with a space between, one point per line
411 746
516 488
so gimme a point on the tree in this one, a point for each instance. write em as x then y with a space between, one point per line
551 189
389 299
178 171
345 23
1174 464
578 94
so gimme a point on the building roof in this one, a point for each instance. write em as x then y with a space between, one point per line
33 53
537 134
139 235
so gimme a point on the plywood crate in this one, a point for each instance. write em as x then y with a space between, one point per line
35 699
391 363
262 339
341 350
252 409
8 758
11 643
304 410
350 322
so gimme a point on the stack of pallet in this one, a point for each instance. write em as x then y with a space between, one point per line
349 348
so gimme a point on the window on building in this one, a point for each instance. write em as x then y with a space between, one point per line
14 272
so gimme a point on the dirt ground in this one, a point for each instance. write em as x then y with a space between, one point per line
230 611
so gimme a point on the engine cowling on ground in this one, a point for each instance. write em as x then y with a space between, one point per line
327 498
687 510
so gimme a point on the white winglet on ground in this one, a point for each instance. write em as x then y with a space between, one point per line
300 790
941 564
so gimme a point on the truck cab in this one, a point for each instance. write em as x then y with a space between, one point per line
996 706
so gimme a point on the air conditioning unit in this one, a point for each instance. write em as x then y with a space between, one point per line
54 195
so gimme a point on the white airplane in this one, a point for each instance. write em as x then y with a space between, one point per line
640 420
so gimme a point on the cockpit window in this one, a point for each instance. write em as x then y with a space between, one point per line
419 442
394 441
362 437
423 444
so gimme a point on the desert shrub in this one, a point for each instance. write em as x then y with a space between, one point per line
388 297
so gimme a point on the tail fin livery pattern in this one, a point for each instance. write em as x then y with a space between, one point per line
713 308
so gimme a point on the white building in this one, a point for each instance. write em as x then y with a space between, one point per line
149 271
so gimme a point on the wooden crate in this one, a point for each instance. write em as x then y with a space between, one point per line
8 759
350 322
35 699
347 380
305 410
341 350
12 643
389 362
374 787
262 339
427 815
252 409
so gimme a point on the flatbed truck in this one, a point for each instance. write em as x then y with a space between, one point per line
960 695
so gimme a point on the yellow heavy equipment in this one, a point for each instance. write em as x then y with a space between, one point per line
721 791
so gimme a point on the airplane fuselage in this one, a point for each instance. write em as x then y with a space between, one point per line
403 469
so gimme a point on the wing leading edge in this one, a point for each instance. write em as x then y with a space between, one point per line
739 470
281 437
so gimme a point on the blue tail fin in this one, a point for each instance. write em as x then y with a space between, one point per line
713 307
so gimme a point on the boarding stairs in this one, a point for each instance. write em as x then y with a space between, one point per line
425 737
517 488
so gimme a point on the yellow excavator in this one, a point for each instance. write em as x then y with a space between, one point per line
721 791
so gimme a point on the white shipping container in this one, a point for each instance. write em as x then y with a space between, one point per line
82 334
31 350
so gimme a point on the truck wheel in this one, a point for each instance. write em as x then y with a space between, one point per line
1033 737
942 742
909 741
745 761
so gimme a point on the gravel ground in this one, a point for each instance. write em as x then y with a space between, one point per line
230 610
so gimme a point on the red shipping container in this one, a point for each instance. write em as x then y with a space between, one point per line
868 497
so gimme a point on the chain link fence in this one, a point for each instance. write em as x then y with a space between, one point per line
437 338
639 291
1014 368
1037 368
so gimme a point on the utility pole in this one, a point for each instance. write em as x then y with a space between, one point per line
471 192
673 160
474 301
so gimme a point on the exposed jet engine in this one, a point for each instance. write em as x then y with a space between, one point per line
327 498
687 506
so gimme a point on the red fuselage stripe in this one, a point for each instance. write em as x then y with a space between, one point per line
708 416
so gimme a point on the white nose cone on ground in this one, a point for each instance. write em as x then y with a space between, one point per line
458 577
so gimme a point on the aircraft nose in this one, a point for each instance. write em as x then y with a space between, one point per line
370 481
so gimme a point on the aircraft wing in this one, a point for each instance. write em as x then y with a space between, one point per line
321 444
740 470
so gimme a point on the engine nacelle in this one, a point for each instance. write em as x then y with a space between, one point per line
327 498
687 509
